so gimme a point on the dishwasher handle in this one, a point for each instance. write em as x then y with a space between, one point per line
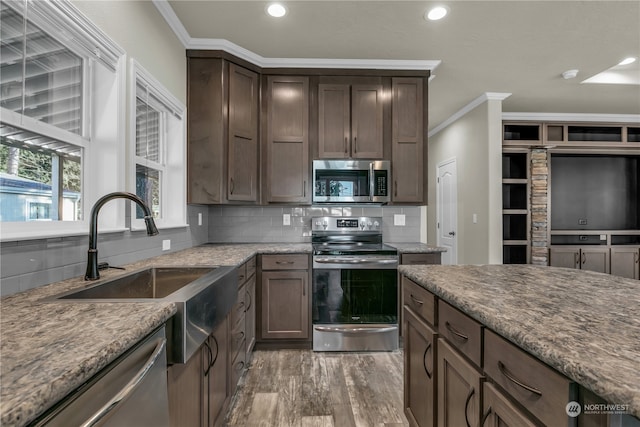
128 389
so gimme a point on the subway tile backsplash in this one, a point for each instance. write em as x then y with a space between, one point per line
246 224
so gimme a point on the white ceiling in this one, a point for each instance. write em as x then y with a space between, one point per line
517 47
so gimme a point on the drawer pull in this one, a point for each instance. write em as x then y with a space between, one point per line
424 361
416 299
455 332
510 377
466 405
284 262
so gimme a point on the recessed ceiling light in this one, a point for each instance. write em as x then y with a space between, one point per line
436 13
276 10
570 74
627 61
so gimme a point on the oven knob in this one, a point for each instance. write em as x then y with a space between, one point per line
325 224
376 224
369 225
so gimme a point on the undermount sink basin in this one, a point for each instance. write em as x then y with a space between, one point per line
203 297
154 282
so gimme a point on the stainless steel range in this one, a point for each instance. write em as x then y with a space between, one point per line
355 286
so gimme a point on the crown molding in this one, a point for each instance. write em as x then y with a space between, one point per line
571 117
487 96
189 42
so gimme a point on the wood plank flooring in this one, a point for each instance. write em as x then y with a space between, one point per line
307 389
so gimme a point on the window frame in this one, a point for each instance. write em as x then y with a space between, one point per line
64 23
173 150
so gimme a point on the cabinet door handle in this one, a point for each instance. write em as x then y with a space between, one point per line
248 305
584 258
304 188
239 365
355 144
345 145
510 377
416 299
232 186
395 188
210 358
304 289
424 361
636 257
213 359
466 405
485 416
455 332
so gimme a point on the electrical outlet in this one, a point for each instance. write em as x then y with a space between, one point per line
199 218
582 222
475 218
166 245
286 219
399 219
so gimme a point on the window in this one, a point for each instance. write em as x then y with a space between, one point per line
159 150
60 85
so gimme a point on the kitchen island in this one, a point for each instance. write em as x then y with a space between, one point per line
584 325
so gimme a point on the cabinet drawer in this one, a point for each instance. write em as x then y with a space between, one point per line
285 262
237 339
420 300
422 258
238 309
461 331
540 389
237 368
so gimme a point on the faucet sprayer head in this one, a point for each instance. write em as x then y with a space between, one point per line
152 230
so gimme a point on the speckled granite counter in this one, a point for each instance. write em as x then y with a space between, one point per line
585 325
49 348
417 248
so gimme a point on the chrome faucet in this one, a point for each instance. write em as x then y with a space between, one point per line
92 259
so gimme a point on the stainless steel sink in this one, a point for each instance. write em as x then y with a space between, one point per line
203 296
154 282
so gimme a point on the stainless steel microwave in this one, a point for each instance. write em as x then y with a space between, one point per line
351 181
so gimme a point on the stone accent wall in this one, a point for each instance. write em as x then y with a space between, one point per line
539 207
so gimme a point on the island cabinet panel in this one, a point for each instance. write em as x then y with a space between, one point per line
407 142
625 262
461 331
350 121
286 167
420 370
499 411
459 389
538 388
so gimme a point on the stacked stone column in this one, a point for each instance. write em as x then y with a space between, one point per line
539 207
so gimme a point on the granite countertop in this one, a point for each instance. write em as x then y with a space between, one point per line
416 247
585 325
50 348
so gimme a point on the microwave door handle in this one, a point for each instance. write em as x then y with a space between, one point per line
371 181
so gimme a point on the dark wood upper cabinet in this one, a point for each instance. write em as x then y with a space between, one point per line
222 132
286 164
408 152
243 134
350 121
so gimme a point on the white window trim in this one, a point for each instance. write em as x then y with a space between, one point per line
173 197
69 26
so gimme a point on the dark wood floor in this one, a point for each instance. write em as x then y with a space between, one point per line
303 388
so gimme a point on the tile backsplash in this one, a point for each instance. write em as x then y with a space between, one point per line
245 224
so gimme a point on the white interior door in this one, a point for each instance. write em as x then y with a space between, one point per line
447 208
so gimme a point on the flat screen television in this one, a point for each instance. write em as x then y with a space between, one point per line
595 192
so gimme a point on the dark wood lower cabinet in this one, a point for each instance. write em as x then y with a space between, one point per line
420 371
186 390
459 389
501 412
285 304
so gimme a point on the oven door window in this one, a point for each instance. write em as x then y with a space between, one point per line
355 296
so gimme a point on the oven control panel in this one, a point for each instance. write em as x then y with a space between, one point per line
349 224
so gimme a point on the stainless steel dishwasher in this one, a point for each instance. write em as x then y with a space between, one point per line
132 391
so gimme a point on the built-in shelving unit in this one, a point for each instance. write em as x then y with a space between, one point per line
515 207
539 154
